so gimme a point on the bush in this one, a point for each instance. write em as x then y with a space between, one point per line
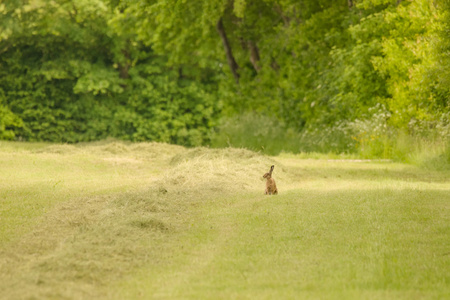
425 143
255 132
268 135
8 123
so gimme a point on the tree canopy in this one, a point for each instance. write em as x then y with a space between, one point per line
168 70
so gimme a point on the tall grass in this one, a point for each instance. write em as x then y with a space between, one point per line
423 143
268 135
257 133
426 144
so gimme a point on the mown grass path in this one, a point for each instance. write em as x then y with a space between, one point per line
148 221
314 244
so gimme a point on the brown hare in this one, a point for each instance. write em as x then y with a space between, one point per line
271 187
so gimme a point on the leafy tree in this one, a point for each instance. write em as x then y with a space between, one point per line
75 71
167 70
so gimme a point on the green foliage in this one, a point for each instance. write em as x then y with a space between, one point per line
71 72
268 135
149 110
256 132
9 122
438 77
319 72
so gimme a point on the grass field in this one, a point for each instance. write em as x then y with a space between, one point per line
112 220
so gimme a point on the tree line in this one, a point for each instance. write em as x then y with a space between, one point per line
169 70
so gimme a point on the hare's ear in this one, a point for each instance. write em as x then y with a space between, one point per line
271 169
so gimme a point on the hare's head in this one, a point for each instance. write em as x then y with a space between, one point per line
269 175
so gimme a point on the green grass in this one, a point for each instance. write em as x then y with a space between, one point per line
140 221
426 146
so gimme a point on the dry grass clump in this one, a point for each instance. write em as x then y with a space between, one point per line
145 150
94 234
148 150
81 246
219 170
58 149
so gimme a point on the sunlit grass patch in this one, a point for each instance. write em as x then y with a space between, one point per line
118 220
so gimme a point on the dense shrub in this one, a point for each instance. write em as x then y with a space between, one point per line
365 76
76 72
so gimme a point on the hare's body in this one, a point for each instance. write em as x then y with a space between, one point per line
271 187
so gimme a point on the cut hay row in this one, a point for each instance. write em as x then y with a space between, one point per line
112 220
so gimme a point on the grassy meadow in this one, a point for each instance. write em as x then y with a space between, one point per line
112 220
